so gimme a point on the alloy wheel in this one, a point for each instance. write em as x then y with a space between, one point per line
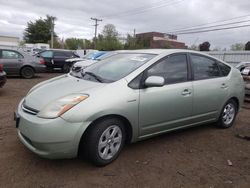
110 142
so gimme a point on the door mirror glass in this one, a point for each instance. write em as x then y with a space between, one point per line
154 81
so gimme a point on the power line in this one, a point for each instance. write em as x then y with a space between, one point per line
217 29
209 27
142 10
209 23
96 24
138 8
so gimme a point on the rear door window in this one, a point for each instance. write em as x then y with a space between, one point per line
61 54
204 67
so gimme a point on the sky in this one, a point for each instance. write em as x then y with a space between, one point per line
73 17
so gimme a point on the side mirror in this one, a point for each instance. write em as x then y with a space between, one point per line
38 55
154 81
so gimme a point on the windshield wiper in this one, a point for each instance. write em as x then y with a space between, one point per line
98 78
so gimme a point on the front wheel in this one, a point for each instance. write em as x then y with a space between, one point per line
228 114
104 141
66 68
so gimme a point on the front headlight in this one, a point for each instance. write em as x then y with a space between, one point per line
60 106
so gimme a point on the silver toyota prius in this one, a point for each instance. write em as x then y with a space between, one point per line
126 98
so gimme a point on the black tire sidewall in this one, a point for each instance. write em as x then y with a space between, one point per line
220 122
92 140
66 68
23 74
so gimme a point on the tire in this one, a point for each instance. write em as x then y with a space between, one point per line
228 114
27 72
66 68
104 141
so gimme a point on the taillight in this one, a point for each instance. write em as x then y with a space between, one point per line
1 67
42 62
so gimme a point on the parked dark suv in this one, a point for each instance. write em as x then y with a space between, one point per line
56 59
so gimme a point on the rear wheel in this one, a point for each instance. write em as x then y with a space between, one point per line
27 72
228 114
104 141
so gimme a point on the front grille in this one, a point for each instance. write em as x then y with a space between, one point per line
29 110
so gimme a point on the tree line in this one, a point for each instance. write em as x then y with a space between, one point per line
39 31
205 46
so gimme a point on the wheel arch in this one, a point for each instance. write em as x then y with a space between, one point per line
25 67
236 100
128 127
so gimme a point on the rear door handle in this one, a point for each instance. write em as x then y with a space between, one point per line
186 92
224 86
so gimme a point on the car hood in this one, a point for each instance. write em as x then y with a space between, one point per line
74 59
49 91
85 63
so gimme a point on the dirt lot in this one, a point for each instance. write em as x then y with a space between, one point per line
196 157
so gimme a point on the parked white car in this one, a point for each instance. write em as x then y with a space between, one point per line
244 68
80 65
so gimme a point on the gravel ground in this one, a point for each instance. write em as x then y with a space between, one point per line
203 156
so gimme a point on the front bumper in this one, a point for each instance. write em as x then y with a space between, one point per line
49 138
247 89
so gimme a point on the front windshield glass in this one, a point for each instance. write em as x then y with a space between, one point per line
116 67
89 55
104 56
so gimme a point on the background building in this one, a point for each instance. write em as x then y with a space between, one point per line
161 40
9 42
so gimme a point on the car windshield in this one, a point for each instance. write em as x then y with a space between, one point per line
115 67
104 56
89 55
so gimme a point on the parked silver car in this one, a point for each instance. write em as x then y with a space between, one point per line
20 63
126 98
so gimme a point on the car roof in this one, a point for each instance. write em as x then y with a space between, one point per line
58 50
165 52
158 51
9 49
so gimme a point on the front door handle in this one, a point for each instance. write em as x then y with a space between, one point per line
186 92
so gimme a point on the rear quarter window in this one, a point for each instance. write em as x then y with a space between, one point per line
225 69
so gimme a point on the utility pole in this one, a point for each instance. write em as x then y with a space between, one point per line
134 41
96 24
52 31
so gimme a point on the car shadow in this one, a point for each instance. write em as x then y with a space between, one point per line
19 77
